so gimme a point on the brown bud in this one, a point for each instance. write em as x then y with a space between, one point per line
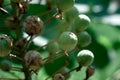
33 59
59 76
33 25
89 72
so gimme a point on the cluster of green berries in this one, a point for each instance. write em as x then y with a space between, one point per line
72 36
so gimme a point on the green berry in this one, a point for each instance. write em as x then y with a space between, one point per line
33 59
71 14
52 47
59 76
5 65
67 41
85 58
33 25
84 39
5 45
63 26
81 22
64 5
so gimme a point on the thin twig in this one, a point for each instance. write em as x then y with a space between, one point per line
77 69
27 44
49 19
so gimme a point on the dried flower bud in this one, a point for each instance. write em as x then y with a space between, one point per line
58 76
33 59
33 25
89 72
5 45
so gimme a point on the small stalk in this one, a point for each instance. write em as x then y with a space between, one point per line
77 69
27 73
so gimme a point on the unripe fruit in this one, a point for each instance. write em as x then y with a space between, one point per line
33 25
63 26
71 14
85 58
81 22
64 5
67 41
5 45
33 59
5 65
52 47
84 39
59 76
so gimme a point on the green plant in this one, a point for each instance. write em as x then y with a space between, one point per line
67 41
85 58
22 24
64 5
81 22
84 39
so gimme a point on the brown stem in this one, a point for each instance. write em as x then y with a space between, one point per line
27 44
49 19
27 73
51 58
77 69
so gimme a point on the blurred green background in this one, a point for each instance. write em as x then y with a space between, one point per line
105 32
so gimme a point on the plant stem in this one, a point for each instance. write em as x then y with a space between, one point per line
49 19
27 72
77 69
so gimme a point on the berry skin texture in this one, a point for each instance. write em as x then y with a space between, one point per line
67 41
59 76
85 57
64 5
84 39
63 26
81 22
5 45
71 14
33 25
33 59
52 48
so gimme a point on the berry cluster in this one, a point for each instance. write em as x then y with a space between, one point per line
72 36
